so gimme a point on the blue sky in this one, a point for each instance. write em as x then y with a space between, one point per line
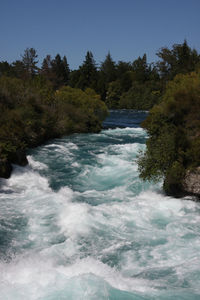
126 28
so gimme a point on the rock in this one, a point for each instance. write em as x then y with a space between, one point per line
19 158
191 182
5 168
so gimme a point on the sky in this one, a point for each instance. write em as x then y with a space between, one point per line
126 28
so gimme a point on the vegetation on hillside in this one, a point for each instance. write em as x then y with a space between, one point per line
136 85
32 112
173 127
41 103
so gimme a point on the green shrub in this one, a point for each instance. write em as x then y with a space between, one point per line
174 130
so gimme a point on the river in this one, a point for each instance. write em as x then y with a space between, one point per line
78 223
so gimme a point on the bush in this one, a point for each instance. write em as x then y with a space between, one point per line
31 113
174 129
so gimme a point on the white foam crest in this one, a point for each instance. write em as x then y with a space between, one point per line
127 149
43 207
121 241
111 275
113 171
75 165
62 146
118 193
61 151
25 179
74 218
36 164
128 130
128 222
37 277
125 153
144 208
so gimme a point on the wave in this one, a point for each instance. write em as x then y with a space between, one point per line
78 223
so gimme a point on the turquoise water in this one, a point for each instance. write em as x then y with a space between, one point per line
78 223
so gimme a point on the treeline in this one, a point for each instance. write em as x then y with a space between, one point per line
38 103
173 147
173 125
132 85
35 108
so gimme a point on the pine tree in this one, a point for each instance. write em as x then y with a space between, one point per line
56 70
141 69
66 70
29 60
108 68
88 72
107 74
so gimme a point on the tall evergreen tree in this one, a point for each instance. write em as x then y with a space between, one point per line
5 68
46 64
46 69
107 74
66 70
124 75
108 68
29 60
56 70
141 68
88 72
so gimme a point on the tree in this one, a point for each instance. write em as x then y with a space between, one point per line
46 65
180 59
141 96
141 69
5 68
66 70
87 73
124 75
107 74
113 94
19 70
56 70
108 68
29 60
122 68
173 127
74 78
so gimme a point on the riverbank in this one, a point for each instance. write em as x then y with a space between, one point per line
33 113
173 146
79 222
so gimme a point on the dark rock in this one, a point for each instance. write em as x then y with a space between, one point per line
5 168
19 158
191 182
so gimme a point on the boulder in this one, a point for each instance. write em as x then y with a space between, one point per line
19 158
5 168
191 182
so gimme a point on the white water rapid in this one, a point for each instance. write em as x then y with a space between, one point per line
78 223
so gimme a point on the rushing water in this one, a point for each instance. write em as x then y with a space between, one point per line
78 223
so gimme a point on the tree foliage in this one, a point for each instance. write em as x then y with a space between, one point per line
180 59
136 85
56 70
173 127
32 112
40 103
29 61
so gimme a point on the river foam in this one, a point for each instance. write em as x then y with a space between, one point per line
78 223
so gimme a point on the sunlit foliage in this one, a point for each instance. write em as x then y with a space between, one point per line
174 134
